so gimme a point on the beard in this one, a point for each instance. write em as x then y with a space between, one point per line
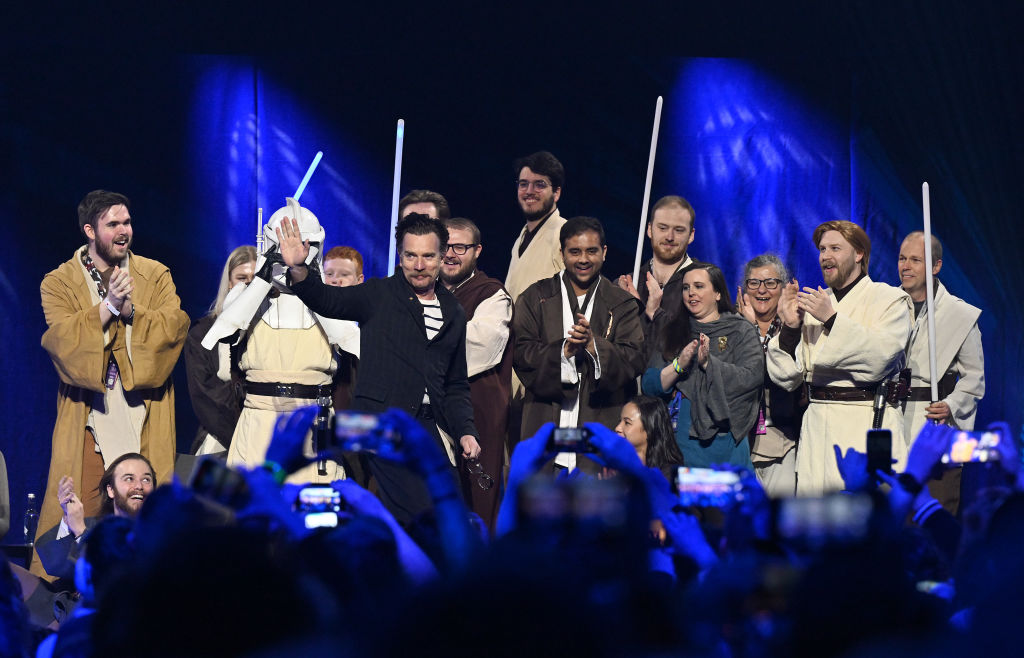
544 210
125 505
579 283
105 250
465 269
666 254
843 272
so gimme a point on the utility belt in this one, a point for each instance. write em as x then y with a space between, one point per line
894 391
321 425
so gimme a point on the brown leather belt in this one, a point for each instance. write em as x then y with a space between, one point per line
920 394
842 393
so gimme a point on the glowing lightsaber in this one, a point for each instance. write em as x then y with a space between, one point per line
309 174
647 194
929 290
399 139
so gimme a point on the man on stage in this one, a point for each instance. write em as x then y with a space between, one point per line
958 356
115 329
488 361
536 253
424 202
845 342
578 340
412 348
660 288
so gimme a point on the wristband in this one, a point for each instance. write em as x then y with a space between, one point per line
675 366
130 315
276 471
110 307
909 483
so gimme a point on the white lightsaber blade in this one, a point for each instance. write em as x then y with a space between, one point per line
930 290
647 194
399 139
309 174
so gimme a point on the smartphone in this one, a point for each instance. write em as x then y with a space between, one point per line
220 483
834 518
706 487
363 432
570 439
319 506
879 444
973 447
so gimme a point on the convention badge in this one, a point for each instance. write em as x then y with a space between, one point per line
762 425
723 342
111 373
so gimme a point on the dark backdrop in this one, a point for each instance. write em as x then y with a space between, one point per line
776 117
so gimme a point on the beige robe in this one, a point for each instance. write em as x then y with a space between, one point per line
958 350
865 346
294 356
541 260
75 341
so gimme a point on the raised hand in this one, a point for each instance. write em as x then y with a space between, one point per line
687 354
294 250
626 283
743 306
580 336
815 302
120 288
789 307
654 295
703 351
74 511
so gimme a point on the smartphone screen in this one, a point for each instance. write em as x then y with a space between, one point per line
319 506
570 439
879 451
973 447
705 487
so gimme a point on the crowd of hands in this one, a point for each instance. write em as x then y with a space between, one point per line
694 583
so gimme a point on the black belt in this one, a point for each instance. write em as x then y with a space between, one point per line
281 390
842 393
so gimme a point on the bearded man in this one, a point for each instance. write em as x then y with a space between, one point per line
114 331
124 487
536 253
845 342
488 309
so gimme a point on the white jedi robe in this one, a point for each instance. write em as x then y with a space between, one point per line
958 350
866 345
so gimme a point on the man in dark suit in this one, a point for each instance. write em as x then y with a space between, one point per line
412 347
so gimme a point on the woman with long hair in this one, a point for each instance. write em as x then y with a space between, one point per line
644 422
216 395
711 355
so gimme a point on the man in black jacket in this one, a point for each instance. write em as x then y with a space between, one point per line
412 347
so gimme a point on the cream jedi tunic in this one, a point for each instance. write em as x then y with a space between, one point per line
865 346
541 260
958 350
294 356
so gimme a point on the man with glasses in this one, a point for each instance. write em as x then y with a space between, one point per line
774 437
488 360
536 253
660 288
412 348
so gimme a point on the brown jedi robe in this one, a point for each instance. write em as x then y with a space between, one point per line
538 331
74 340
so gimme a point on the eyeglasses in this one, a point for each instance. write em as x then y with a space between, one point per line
483 480
460 249
539 185
770 284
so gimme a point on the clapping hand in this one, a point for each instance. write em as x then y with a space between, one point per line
789 307
816 302
743 306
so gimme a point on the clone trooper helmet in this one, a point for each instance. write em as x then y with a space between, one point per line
309 229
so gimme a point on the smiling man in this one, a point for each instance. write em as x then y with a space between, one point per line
670 230
488 360
958 356
412 353
536 253
845 342
578 340
114 331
